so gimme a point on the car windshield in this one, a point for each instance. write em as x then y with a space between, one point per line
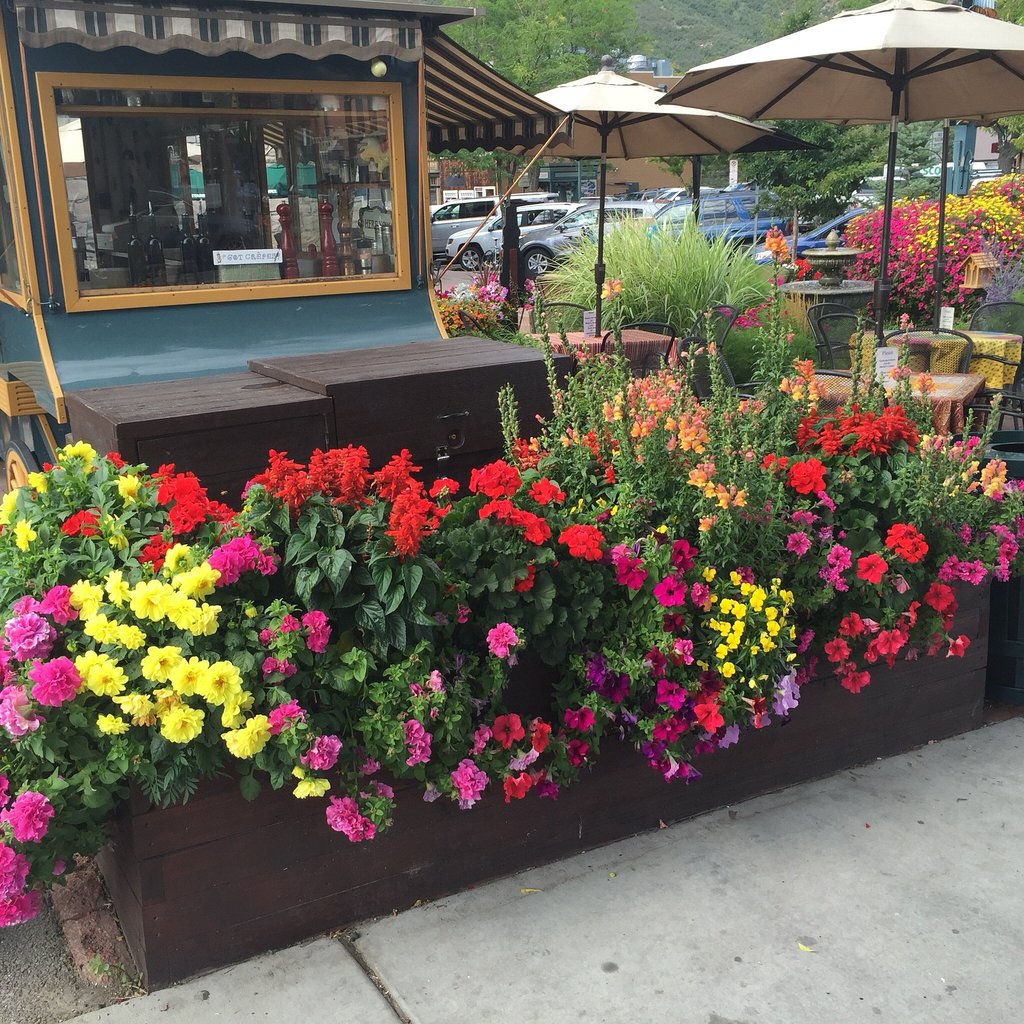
588 216
676 214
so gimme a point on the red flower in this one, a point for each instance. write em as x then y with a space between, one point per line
807 477
410 520
583 541
907 542
396 476
576 752
517 786
81 524
837 650
284 478
508 729
544 492
341 473
852 625
941 598
958 646
526 583
535 529
853 680
871 568
775 463
154 552
442 485
116 459
708 714
495 480
540 736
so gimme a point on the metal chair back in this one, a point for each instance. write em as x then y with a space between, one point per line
649 362
1006 317
715 323
468 322
833 333
561 316
700 366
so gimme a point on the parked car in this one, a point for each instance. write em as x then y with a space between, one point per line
733 214
545 246
671 195
467 213
816 239
488 240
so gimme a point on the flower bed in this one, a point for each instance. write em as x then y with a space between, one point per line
681 568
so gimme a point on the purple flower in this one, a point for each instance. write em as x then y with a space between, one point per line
730 736
787 695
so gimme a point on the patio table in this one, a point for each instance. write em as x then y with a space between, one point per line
945 353
640 346
952 391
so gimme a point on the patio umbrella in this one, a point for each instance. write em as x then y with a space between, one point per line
616 117
900 60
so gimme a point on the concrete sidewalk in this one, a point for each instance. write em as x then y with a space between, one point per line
887 893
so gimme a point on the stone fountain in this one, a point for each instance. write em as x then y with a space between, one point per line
832 286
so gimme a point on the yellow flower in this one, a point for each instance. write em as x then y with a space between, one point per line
181 724
24 534
128 487
159 662
198 582
38 482
177 555
204 621
141 709
10 499
111 725
101 674
721 652
130 637
80 450
86 597
178 608
231 716
118 541
185 676
312 787
101 629
148 600
250 612
250 739
709 574
117 590
728 669
220 683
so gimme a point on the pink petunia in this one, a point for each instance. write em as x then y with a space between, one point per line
29 817
501 639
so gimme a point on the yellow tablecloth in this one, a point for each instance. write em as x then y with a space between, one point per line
994 343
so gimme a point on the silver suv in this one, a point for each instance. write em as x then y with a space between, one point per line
486 245
542 248
467 213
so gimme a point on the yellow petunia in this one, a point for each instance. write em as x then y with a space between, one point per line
197 582
311 787
7 505
101 674
117 589
149 601
78 450
138 707
111 725
232 713
128 487
178 555
727 669
159 662
709 574
24 534
182 724
185 676
38 482
250 739
130 637
101 629
204 621
220 683
86 597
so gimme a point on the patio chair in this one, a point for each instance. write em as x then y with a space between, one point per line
700 367
832 335
649 362
468 322
715 323
560 316
820 309
943 351
1007 317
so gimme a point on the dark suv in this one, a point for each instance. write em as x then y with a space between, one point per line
742 216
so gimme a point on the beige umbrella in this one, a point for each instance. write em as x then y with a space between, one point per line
616 117
900 60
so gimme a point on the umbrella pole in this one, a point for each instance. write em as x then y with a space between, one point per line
695 185
599 265
883 287
940 248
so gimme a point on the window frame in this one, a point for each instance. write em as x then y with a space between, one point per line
76 300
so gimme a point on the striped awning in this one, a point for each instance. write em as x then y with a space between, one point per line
470 106
212 30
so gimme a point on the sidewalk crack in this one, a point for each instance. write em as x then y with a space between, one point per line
348 940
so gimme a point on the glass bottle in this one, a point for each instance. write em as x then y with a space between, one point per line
189 268
138 265
155 254
204 252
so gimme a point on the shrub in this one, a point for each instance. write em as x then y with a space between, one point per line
664 279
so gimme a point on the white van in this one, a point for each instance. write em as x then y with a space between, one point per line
467 213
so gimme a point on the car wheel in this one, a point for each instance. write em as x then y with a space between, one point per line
472 258
536 262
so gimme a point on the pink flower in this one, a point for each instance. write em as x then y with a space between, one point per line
798 543
501 639
546 789
56 603
284 715
323 754
958 646
417 742
699 594
13 704
629 569
4 786
13 872
290 624
29 817
318 633
469 782
582 719
238 555
343 816
282 666
462 614
369 767
671 591
670 695
266 637
480 738
19 909
29 636
56 682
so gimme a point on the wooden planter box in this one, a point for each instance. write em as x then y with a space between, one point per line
218 879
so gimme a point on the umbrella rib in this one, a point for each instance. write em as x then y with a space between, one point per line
925 65
682 90
1006 67
971 58
718 149
785 92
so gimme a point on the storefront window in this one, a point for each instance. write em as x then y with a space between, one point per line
10 275
193 189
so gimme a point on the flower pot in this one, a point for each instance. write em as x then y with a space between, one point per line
218 879
1008 445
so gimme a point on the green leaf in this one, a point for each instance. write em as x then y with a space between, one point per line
306 581
382 574
250 787
393 599
413 575
397 632
370 616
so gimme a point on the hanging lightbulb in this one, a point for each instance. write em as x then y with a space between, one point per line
378 68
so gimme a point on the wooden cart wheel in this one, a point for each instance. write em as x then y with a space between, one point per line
15 471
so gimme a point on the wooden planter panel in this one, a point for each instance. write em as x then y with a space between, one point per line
218 879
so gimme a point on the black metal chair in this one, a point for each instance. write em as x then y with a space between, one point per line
1006 317
470 323
833 333
928 345
715 323
650 362
816 312
568 316
700 366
